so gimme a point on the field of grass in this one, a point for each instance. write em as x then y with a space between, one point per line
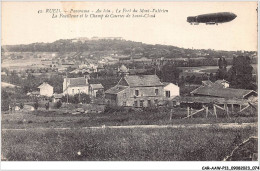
210 69
167 144
57 119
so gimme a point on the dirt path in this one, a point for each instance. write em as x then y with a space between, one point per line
218 125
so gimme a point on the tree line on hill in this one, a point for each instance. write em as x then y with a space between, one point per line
122 47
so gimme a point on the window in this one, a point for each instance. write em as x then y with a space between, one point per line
168 94
137 92
141 103
149 102
135 103
124 103
156 101
156 92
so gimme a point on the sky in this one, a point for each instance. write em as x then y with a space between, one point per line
22 24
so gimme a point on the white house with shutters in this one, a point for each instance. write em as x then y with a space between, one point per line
170 90
72 86
46 89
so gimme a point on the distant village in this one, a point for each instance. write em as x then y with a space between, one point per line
116 80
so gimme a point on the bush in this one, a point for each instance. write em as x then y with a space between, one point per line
36 105
20 122
47 106
58 104
5 105
112 109
21 105
77 98
84 98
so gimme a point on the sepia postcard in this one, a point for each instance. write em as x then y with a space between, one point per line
130 81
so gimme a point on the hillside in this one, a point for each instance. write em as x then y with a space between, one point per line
120 47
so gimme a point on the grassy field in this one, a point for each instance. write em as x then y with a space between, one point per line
137 144
210 69
49 119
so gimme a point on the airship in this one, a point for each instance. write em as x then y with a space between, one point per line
212 18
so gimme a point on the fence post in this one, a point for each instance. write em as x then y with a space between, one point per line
188 111
207 111
171 115
215 110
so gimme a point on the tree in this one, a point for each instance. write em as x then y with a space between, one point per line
47 106
99 94
82 98
36 105
169 73
222 63
222 71
58 104
5 101
212 77
240 74
57 82
21 105
85 98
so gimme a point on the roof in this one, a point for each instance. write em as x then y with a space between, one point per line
221 92
221 81
96 86
207 82
57 96
143 80
80 81
44 85
216 100
100 66
167 83
116 89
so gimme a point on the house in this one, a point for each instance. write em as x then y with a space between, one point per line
219 83
57 97
3 74
46 89
137 91
220 89
221 92
100 68
94 88
72 86
34 93
170 90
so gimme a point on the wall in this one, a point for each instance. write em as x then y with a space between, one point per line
46 91
174 90
145 94
111 99
82 89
